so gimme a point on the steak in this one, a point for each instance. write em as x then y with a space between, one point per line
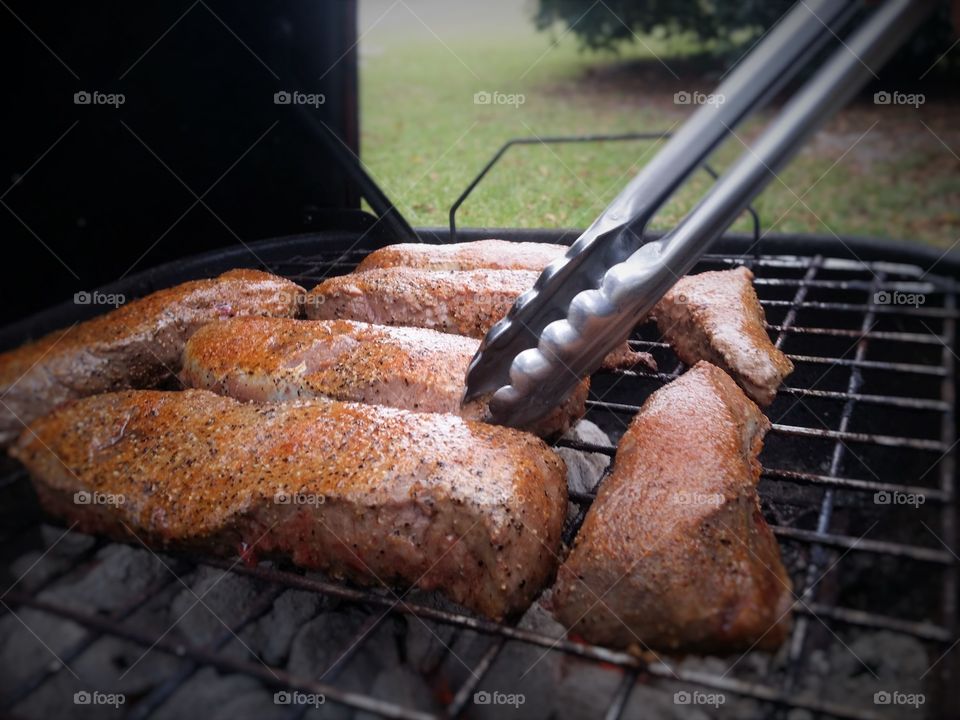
463 303
477 255
135 346
460 302
372 494
713 316
674 554
716 316
272 359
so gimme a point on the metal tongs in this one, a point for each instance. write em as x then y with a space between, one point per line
587 303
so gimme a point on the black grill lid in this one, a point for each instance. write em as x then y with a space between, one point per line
138 133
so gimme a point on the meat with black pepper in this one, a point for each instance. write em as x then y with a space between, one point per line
717 317
465 302
137 345
272 359
476 255
368 493
674 554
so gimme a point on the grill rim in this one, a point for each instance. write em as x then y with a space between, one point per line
279 249
256 253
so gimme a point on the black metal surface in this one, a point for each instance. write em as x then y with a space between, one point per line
99 186
353 168
860 365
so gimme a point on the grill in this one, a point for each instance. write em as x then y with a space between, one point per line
858 484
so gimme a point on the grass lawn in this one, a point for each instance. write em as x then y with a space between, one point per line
889 171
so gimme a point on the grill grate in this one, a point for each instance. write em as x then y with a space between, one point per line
870 409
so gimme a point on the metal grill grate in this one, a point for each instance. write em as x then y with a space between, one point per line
869 410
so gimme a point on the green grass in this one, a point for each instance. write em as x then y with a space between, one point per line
424 139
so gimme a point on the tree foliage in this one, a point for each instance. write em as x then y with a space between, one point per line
723 29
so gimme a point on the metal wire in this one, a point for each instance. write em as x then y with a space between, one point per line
821 544
575 139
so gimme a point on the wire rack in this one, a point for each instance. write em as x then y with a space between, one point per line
868 414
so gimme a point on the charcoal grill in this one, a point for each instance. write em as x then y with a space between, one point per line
869 413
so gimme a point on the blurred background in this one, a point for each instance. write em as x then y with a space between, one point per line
200 155
566 67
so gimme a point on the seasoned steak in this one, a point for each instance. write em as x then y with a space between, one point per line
364 492
477 255
712 316
135 346
459 302
270 359
674 554
463 303
716 316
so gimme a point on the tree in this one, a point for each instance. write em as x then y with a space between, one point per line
724 29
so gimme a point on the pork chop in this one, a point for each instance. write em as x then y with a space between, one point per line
717 317
674 554
137 345
273 359
373 494
460 302
476 255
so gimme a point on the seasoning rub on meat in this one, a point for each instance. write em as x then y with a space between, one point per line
271 359
477 255
717 317
460 302
363 492
137 345
463 303
713 316
675 546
